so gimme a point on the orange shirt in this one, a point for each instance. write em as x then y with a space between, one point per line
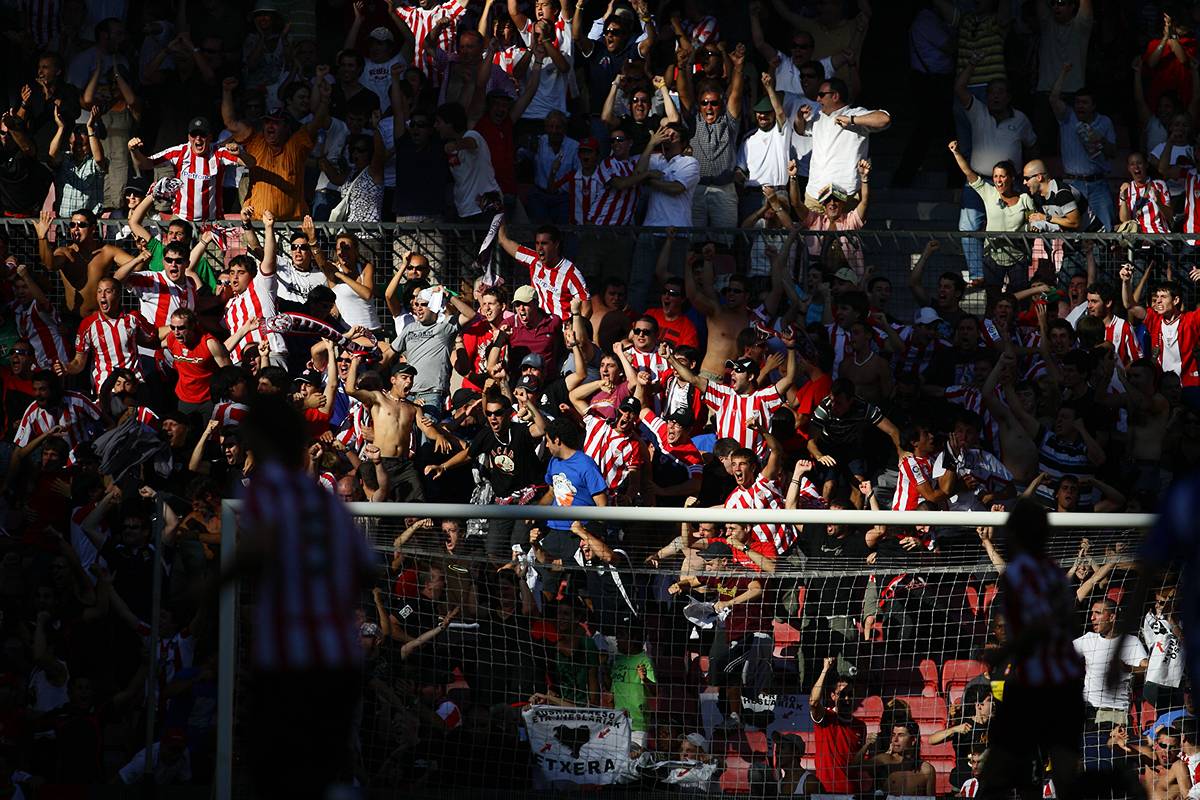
277 178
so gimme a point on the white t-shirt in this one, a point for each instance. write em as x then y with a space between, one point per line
764 156
1178 152
1171 360
473 175
551 94
666 210
836 152
377 76
294 285
993 141
1166 651
1097 652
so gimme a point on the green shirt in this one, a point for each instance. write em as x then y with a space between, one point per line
208 275
572 671
1001 217
628 691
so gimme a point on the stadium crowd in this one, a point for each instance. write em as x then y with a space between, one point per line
182 169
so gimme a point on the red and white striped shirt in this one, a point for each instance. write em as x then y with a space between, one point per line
555 286
422 20
1120 333
734 411
615 453
1191 202
1149 204
652 361
615 206
970 788
686 456
160 296
915 360
764 493
77 414
583 194
43 328
203 175
914 471
311 578
257 302
1036 595
972 399
229 413
113 343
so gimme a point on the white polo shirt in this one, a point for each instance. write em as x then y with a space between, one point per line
763 155
473 175
1097 651
836 151
666 210
993 141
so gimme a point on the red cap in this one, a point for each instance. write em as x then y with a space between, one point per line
589 143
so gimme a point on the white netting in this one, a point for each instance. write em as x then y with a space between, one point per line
449 711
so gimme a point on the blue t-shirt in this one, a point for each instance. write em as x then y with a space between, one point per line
574 481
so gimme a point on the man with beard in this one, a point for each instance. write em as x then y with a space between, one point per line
197 355
198 165
111 336
82 262
510 464
54 408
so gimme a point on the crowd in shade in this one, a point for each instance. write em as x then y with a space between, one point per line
666 300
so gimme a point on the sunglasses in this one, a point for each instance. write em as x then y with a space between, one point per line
613 32
673 293
641 100
178 327
740 369
80 225
825 94
25 353
420 305
343 360
303 247
642 332
174 260
499 413
710 102
619 139
224 283
1031 177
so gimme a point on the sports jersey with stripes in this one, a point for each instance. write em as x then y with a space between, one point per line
555 286
652 361
914 471
615 453
1120 333
422 20
914 359
75 413
160 296
203 176
507 58
1191 202
1149 204
685 457
112 342
734 412
257 302
764 493
310 580
229 413
1036 595
42 327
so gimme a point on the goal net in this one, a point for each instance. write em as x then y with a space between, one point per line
651 654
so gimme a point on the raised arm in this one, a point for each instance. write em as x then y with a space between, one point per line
239 128
737 83
963 165
267 266
918 273
518 18
1056 103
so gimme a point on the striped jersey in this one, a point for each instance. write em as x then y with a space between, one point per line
734 412
422 20
1149 204
1120 333
1036 594
914 471
160 296
310 580
1191 202
76 413
555 286
112 342
652 361
203 175
229 413
42 327
257 302
765 493
914 359
615 453
683 458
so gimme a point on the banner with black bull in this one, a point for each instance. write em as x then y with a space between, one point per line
581 745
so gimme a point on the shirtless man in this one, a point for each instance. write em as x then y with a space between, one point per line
393 416
611 299
81 263
872 375
1149 413
1018 426
726 321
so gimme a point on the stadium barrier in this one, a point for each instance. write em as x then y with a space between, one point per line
911 628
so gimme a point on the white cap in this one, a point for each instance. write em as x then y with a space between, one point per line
698 740
381 34
926 316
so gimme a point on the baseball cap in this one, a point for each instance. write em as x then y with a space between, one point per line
681 417
524 294
381 34
698 740
533 360
740 364
463 397
277 113
589 143
136 186
404 369
631 405
716 549
309 376
845 274
529 383
926 316
764 106
199 125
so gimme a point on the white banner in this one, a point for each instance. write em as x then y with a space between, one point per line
580 745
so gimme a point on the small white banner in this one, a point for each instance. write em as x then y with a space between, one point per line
580 745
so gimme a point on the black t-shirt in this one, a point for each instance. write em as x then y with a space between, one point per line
640 132
427 178
715 484
24 182
510 462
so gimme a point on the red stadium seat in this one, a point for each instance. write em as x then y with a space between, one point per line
941 756
929 673
870 711
787 638
956 674
928 712
736 777
757 741
810 748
